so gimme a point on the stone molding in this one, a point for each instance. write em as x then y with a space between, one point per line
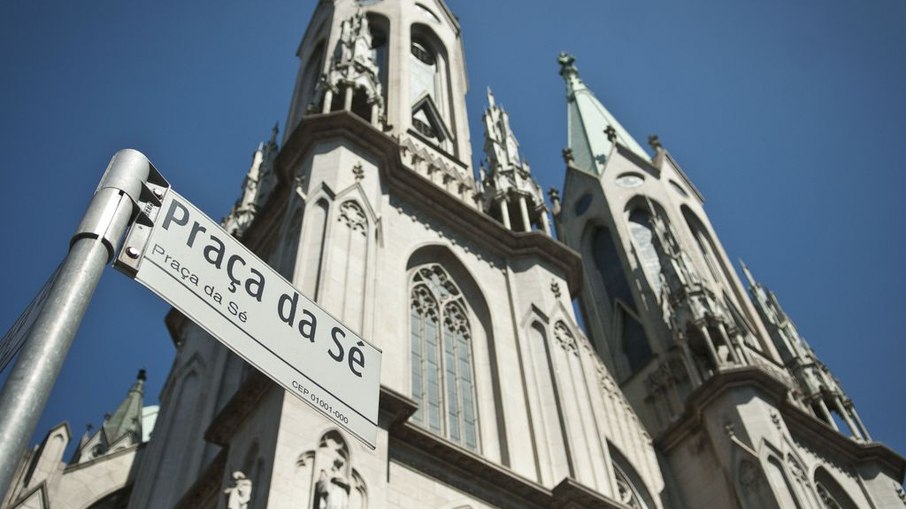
801 424
416 190
453 465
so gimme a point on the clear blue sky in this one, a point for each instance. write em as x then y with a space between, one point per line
786 115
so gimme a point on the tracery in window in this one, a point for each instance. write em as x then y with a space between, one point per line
441 358
643 237
830 493
627 493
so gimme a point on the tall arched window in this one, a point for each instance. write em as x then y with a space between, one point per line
643 237
428 88
442 378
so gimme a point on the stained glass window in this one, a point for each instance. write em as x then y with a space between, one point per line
441 356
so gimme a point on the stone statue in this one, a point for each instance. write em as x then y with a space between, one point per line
332 491
240 493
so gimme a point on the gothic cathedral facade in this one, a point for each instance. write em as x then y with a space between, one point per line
682 389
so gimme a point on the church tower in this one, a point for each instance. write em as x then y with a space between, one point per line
491 395
741 409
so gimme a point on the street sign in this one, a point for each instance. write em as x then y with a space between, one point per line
191 262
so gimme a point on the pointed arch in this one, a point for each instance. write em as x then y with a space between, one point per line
830 493
606 258
429 88
780 482
631 347
380 29
630 488
311 74
441 356
286 259
329 475
639 211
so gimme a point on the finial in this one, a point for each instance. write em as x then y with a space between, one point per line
555 200
274 131
491 102
611 133
654 142
142 375
567 64
568 155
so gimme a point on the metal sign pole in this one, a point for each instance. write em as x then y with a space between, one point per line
94 244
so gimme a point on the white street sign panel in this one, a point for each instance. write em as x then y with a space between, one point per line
196 266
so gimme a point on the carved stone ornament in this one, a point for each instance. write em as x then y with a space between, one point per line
358 171
353 216
827 499
240 493
555 288
797 470
625 492
900 492
332 490
565 338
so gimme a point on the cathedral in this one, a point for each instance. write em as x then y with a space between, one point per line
671 384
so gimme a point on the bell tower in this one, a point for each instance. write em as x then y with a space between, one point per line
728 388
398 65
662 299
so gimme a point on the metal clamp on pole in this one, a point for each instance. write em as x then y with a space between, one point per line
129 178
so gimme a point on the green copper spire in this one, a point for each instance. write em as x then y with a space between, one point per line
127 420
592 129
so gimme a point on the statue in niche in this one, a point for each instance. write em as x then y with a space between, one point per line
332 490
240 493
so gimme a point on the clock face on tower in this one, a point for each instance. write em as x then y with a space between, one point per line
629 180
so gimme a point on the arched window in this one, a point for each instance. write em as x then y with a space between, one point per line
644 238
607 261
631 490
427 88
627 494
831 494
380 34
633 340
310 76
442 377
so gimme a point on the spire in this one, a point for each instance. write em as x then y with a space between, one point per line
127 420
820 388
510 193
256 187
592 129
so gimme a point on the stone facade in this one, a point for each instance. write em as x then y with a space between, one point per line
684 392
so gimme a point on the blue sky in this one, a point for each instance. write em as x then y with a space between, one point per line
786 115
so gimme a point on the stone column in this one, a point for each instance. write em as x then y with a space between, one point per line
827 415
730 345
545 224
523 211
712 351
347 97
375 114
505 214
846 417
858 420
328 98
